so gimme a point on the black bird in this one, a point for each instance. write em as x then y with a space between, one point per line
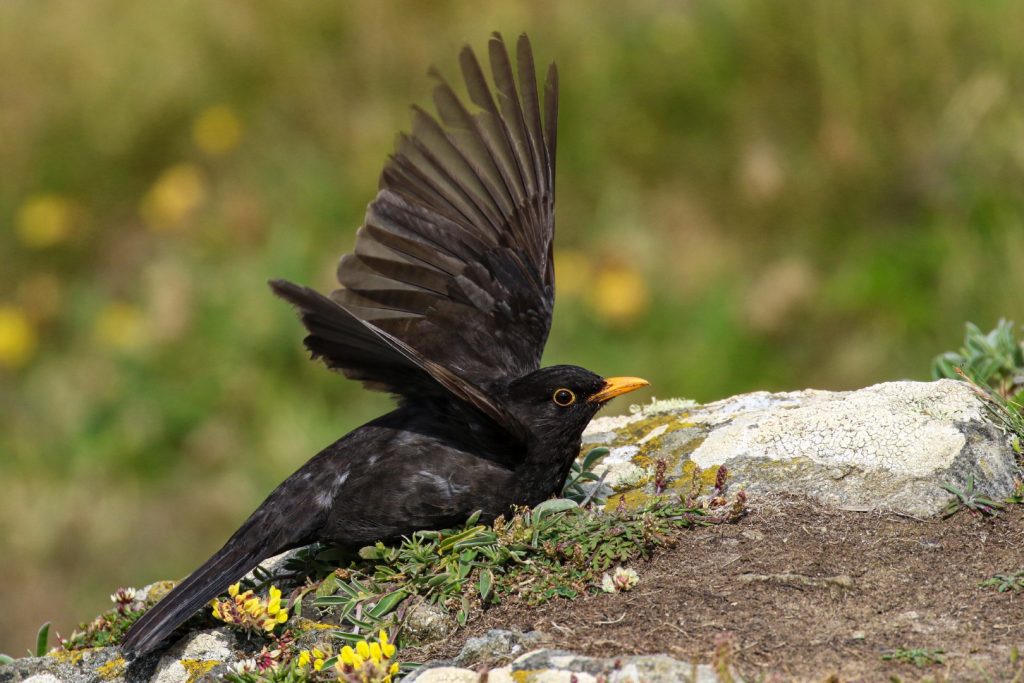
446 303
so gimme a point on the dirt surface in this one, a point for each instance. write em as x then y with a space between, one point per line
807 593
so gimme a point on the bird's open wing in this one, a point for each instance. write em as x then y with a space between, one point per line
454 256
365 352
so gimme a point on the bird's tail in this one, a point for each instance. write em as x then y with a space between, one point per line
243 551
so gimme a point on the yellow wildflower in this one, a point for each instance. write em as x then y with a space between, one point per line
385 645
274 601
18 339
619 294
173 197
217 130
44 220
572 271
369 661
120 326
250 612
349 656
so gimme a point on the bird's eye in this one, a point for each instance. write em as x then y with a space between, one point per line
564 397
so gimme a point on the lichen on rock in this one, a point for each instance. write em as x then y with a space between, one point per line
885 447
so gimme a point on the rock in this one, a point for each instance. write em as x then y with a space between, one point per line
495 644
559 666
207 652
76 666
887 447
542 666
427 623
447 674
273 565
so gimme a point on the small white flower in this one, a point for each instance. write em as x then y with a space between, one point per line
620 580
245 666
123 596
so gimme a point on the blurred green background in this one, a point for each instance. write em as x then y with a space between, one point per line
752 195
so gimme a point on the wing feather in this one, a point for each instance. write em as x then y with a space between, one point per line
454 259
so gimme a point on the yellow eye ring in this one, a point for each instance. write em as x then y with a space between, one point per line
563 397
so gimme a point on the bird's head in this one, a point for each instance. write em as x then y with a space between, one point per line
557 403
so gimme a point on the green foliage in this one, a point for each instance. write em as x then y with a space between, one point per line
995 360
582 472
994 364
554 551
109 627
6 659
970 500
1017 497
286 673
42 637
103 631
918 656
1005 582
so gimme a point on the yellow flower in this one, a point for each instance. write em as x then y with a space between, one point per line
619 294
394 669
304 658
385 645
233 589
173 197
363 649
572 271
44 220
274 602
120 326
217 130
349 656
18 339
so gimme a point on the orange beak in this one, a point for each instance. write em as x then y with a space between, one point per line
616 386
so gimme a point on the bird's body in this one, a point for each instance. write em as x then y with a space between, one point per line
446 303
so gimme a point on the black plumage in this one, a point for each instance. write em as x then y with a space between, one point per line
445 302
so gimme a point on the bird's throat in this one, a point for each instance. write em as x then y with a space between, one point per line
542 473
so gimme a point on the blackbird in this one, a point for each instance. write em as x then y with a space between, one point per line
446 303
